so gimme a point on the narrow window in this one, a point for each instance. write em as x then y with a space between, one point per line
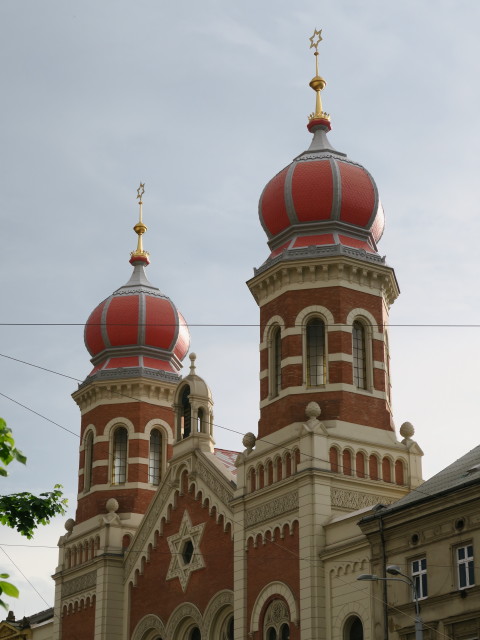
373 467
465 566
200 421
399 475
360 464
195 634
359 356
230 628
419 577
386 470
353 629
333 459
347 462
88 462
120 446
276 362
155 457
315 353
186 412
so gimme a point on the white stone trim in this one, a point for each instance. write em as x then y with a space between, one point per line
184 616
218 603
272 589
315 310
161 425
149 622
274 320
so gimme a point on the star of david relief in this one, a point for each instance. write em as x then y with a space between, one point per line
185 550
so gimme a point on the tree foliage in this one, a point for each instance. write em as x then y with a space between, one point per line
23 511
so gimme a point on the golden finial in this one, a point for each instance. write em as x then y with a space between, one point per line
317 82
140 228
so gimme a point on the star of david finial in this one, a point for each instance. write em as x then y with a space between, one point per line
140 228
140 192
313 44
317 82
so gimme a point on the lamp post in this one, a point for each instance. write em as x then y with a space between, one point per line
394 570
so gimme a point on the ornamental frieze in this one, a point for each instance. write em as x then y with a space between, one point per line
213 483
272 508
81 583
354 500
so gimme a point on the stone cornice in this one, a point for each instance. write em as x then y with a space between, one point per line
99 392
316 272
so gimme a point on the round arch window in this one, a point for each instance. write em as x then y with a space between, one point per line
353 629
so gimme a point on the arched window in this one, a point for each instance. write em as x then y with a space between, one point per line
353 629
359 355
155 457
315 352
195 634
228 633
399 474
386 470
333 459
120 452
360 464
347 462
373 467
87 470
186 412
276 362
200 420
277 621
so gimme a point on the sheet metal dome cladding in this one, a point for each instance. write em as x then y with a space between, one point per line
322 198
137 327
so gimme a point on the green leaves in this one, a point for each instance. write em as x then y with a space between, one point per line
23 511
8 451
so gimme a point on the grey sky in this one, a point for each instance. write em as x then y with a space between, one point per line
205 102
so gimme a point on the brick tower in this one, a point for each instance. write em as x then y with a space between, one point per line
137 339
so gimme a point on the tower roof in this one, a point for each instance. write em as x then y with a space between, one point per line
322 199
137 330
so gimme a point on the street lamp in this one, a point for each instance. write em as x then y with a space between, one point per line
394 570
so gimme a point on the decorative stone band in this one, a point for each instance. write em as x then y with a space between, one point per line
308 252
131 372
82 583
272 509
354 500
213 483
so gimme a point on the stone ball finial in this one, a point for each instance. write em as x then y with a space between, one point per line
193 357
69 524
407 430
313 410
112 505
249 440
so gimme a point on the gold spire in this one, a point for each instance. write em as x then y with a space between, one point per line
140 227
317 82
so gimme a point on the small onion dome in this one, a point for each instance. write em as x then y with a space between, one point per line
322 198
137 329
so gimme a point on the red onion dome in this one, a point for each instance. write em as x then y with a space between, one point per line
322 199
137 330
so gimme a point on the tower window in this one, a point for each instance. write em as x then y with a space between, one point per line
155 457
276 362
88 467
359 355
315 353
186 413
120 447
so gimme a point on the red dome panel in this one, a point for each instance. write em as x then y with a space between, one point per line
153 363
309 241
378 224
358 195
183 338
93 331
357 244
160 321
127 361
123 315
273 208
312 190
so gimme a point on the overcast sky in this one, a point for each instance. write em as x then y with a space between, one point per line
205 102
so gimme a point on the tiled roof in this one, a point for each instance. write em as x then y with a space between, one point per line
228 458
